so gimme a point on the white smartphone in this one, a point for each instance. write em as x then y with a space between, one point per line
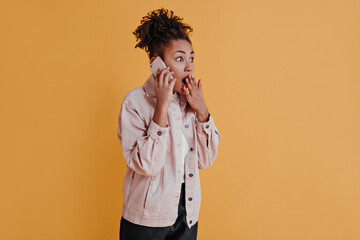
158 63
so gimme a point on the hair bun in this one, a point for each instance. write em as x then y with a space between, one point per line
158 28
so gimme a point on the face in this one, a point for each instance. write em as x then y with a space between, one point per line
179 56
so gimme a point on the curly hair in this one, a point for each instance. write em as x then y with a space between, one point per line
157 29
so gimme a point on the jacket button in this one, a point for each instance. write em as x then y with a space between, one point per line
190 199
190 222
191 175
186 125
191 149
207 126
159 133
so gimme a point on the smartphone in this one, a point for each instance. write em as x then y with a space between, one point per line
158 63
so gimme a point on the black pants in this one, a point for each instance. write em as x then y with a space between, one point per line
178 231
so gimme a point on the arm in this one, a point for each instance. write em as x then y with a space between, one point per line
208 138
144 147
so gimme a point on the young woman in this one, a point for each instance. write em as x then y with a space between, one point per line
167 135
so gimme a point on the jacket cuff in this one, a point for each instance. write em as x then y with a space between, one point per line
157 132
205 127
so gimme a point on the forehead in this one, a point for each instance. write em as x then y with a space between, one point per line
179 44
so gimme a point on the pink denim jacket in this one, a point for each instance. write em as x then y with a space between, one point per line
152 181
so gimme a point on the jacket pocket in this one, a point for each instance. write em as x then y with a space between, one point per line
153 194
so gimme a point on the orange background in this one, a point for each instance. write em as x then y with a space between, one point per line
281 79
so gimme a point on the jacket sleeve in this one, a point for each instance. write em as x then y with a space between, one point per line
144 147
208 138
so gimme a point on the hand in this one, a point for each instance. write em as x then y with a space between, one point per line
164 88
195 97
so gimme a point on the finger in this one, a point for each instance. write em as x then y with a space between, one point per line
200 84
157 77
189 85
167 77
161 72
163 76
193 82
187 93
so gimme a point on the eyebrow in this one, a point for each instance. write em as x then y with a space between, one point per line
182 52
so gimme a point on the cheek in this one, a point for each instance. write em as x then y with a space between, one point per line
178 85
175 69
178 82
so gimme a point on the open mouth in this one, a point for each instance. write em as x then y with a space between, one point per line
184 80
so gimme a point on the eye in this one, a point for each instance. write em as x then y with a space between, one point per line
192 59
179 59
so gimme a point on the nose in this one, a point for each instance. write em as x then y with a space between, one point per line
189 67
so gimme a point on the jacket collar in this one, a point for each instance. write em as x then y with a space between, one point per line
150 92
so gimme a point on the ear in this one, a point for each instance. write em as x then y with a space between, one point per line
152 59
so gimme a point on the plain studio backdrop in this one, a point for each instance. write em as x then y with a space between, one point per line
281 79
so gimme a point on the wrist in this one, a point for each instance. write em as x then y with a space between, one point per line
162 107
203 116
160 116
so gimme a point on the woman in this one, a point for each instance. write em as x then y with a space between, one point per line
167 134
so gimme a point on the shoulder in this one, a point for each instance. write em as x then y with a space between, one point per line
138 101
134 96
